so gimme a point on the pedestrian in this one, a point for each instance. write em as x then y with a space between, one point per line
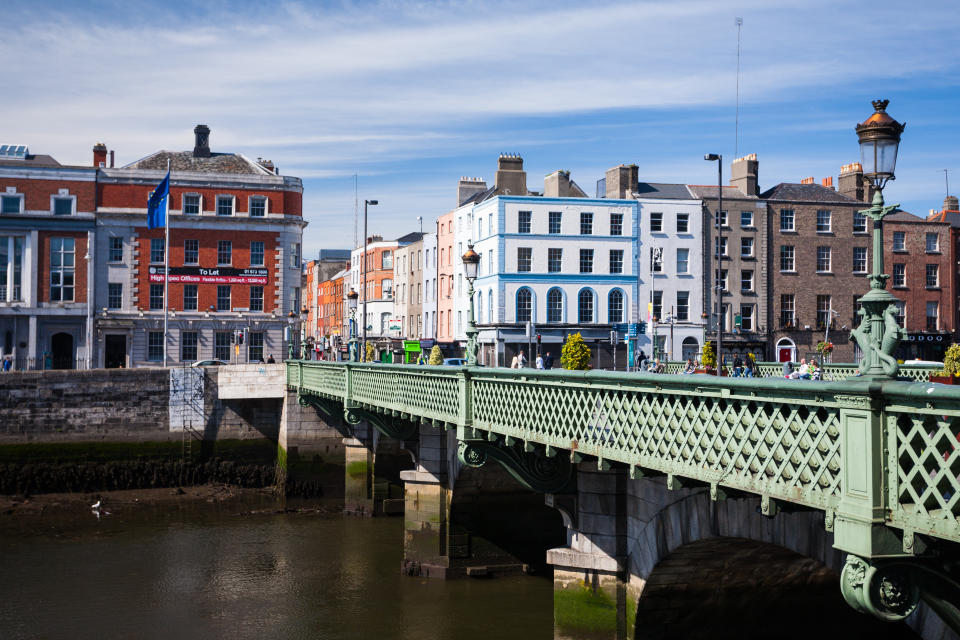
737 366
522 362
641 364
656 367
548 361
690 368
748 368
787 368
515 363
270 359
540 361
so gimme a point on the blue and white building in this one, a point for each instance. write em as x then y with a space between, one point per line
561 261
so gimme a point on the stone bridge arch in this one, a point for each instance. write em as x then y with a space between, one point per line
689 517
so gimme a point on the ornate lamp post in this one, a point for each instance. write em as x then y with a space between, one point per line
291 319
878 334
471 264
304 313
352 305
718 283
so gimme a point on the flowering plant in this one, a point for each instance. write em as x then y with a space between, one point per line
824 348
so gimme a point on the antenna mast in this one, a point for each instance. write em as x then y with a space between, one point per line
946 179
356 210
736 126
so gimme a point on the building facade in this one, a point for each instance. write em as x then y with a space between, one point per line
445 243
94 274
920 256
429 307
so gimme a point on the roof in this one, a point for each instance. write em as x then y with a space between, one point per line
664 190
793 192
185 161
951 217
37 160
334 254
705 191
410 238
480 196
905 216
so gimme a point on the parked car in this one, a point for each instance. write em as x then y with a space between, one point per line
209 363
455 362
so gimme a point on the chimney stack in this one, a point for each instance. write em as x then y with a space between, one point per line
827 182
807 180
111 158
99 155
851 183
511 179
468 187
950 203
622 181
201 144
744 173
559 185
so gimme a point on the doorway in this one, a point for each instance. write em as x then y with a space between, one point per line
61 351
786 351
115 351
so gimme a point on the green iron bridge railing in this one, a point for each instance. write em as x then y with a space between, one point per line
879 458
783 440
831 372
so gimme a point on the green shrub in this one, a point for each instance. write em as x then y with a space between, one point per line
575 353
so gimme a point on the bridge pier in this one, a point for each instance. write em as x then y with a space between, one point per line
592 597
358 460
426 537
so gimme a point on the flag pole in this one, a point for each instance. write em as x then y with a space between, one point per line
166 266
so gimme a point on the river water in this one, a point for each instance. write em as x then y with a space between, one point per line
207 572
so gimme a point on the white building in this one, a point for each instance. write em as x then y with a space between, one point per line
671 289
429 285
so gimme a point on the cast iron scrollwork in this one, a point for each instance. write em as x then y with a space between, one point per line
531 468
388 426
892 589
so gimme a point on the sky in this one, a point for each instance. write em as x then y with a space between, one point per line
396 100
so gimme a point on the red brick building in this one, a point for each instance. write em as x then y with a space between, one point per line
82 278
920 255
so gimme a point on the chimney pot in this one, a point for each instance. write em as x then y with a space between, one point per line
99 155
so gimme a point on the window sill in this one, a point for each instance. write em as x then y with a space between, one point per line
824 273
824 233
900 251
789 231
788 271
933 253
933 288
899 286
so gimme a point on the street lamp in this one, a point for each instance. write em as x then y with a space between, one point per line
364 287
471 264
718 284
878 334
352 305
304 313
291 319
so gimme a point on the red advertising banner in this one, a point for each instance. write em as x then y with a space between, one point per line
218 275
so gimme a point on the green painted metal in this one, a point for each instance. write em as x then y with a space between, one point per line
780 439
831 372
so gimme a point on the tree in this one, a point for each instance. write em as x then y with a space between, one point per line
436 356
709 359
575 353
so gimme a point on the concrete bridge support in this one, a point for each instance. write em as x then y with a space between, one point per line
427 543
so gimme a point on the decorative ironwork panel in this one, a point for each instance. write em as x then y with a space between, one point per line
926 482
325 379
784 449
427 394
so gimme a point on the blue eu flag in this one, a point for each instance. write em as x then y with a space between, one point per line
157 204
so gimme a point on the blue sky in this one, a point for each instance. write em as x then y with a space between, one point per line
412 95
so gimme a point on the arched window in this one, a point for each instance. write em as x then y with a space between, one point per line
490 306
524 305
615 306
585 306
555 305
690 348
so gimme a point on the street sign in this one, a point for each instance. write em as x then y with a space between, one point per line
620 328
613 337
738 321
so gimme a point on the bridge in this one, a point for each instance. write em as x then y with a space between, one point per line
862 475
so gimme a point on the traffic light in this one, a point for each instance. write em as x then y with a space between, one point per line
539 337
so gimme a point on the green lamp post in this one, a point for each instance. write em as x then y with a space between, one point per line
291 319
471 264
878 334
352 297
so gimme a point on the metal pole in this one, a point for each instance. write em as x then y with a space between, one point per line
471 329
166 266
364 287
722 314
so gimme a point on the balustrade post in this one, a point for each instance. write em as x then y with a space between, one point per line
860 527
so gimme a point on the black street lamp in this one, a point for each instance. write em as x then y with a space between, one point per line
718 283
